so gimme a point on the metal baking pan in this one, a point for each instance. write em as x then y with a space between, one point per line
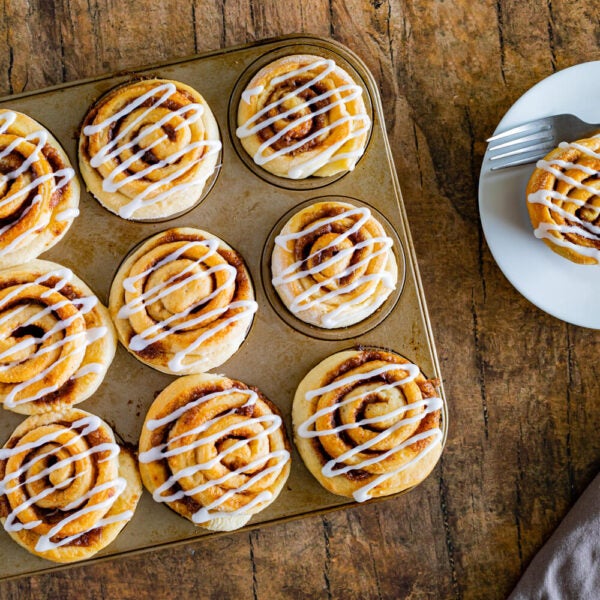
243 208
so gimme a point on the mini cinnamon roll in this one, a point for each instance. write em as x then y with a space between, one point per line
303 115
563 200
39 193
367 423
183 301
333 264
56 338
214 450
147 149
66 487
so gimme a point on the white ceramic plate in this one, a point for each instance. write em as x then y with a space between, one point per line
559 287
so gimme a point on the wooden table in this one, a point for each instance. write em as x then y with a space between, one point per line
522 387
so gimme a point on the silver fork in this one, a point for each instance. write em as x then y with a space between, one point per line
533 140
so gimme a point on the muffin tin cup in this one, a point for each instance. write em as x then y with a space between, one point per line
339 333
242 208
312 182
208 185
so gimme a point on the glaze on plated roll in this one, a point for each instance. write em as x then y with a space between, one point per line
333 264
39 193
563 200
182 301
303 115
214 450
147 149
66 487
367 423
56 338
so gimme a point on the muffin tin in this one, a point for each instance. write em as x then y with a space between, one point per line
245 206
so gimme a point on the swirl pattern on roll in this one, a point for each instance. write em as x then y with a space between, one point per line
39 193
147 148
56 338
66 487
183 301
367 423
303 115
333 264
563 200
214 450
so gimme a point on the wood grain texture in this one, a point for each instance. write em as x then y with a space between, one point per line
522 387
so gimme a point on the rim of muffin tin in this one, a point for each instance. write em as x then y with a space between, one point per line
136 246
312 182
208 184
340 333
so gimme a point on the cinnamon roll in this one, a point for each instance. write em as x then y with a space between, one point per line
183 301
563 200
147 149
39 193
303 115
66 487
214 450
56 338
367 423
333 264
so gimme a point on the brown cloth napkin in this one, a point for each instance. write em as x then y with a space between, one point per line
568 566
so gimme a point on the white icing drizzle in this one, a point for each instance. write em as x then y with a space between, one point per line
89 336
577 226
36 200
412 370
95 368
313 295
88 424
60 179
270 422
6 120
331 468
359 123
189 113
162 329
153 424
249 93
25 236
67 214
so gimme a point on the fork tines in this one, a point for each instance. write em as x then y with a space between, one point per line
533 140
521 145
531 127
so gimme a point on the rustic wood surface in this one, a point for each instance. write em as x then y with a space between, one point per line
522 387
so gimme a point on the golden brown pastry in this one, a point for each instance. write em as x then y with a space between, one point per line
183 301
303 115
66 487
333 264
367 423
563 200
39 193
56 338
147 149
214 450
